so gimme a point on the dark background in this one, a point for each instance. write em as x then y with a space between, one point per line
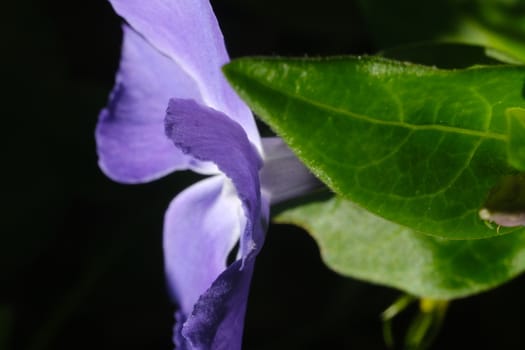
80 256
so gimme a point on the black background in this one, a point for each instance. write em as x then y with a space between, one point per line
80 256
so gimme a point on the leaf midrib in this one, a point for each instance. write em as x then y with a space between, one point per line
442 128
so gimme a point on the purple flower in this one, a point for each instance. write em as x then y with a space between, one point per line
172 55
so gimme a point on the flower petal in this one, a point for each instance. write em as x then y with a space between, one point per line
217 321
201 226
217 318
131 144
209 135
187 32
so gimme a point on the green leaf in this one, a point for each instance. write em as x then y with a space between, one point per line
417 145
356 243
516 144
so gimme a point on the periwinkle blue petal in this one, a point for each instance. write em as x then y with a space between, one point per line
201 226
217 318
187 32
131 144
176 50
210 135
217 321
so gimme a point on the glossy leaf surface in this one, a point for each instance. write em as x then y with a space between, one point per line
417 145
